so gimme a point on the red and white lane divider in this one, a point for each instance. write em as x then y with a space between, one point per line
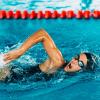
49 14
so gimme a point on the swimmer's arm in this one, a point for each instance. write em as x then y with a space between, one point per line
50 47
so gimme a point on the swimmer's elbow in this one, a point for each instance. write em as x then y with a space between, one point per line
42 29
44 32
44 35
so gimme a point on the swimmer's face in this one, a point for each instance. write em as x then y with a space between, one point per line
76 63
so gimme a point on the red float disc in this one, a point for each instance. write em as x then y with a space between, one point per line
79 14
47 14
55 14
96 14
40 15
70 14
17 14
87 14
32 15
63 14
2 14
24 14
9 14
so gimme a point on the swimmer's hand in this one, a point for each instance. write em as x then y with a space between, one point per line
12 55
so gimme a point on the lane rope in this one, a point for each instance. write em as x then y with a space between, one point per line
49 14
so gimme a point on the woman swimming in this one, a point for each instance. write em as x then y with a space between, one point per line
83 61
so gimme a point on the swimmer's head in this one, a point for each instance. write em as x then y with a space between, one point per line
84 61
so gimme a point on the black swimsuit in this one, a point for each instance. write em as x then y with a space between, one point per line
18 74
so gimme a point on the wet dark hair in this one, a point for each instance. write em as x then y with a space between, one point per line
91 62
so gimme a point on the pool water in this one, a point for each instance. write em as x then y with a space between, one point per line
71 37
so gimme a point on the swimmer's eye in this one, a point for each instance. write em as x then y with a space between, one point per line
81 64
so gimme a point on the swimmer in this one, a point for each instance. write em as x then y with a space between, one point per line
84 61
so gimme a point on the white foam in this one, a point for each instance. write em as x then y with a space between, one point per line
2 62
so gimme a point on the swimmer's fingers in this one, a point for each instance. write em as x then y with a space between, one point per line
12 55
7 57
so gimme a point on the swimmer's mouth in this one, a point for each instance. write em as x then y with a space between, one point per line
69 65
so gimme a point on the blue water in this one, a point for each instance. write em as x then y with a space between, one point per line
71 37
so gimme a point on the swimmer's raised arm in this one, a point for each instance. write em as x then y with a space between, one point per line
39 36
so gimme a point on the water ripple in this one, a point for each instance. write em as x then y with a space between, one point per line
49 5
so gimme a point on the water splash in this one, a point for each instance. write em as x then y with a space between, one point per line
2 62
85 4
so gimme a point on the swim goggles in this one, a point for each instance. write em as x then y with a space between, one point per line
80 63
